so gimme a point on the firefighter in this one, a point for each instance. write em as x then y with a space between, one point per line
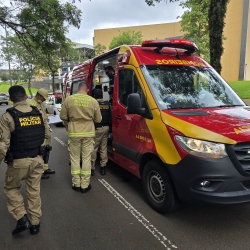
22 132
37 101
101 133
79 112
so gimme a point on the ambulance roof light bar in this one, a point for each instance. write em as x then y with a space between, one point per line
171 43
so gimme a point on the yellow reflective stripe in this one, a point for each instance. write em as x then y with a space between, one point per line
81 134
34 103
85 172
75 171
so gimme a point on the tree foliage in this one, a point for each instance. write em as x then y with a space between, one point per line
194 24
129 37
216 16
99 49
4 77
41 26
39 23
217 12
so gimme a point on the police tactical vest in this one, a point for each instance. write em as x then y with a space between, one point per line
105 111
29 133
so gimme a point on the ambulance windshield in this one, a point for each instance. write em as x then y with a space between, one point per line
176 87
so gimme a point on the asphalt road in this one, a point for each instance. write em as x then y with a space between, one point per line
114 214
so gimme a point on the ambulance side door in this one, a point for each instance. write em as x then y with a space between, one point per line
128 130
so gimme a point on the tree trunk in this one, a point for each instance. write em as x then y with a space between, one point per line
53 83
29 88
216 17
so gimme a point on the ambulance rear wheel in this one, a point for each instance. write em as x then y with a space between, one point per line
159 188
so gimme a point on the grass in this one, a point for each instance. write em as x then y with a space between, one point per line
242 88
4 87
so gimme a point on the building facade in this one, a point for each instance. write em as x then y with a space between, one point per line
236 57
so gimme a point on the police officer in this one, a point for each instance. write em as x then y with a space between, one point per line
79 112
101 133
22 132
37 101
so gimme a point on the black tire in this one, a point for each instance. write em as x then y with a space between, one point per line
158 187
6 103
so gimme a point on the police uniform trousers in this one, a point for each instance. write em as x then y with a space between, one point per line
47 142
29 170
80 148
101 141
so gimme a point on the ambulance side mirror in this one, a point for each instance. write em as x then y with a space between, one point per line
134 104
105 89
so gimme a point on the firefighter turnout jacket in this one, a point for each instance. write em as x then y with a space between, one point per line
18 123
80 111
41 108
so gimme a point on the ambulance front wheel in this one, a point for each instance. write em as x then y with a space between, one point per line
158 187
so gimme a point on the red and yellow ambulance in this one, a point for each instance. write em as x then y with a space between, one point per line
176 124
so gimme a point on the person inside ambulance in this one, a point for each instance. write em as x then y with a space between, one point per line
38 101
101 134
22 132
110 72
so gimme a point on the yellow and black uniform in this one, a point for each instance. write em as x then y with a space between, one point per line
47 141
80 111
101 135
22 132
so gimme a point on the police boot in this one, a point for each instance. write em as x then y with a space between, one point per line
49 171
35 229
102 171
44 176
22 225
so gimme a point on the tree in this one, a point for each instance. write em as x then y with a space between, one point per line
30 20
99 49
24 65
194 24
4 77
216 16
129 37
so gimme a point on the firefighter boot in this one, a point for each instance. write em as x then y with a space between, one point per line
22 225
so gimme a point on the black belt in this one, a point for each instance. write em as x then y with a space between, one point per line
20 154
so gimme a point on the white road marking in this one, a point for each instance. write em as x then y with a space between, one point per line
158 235
61 142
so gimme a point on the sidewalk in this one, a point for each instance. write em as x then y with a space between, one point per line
247 101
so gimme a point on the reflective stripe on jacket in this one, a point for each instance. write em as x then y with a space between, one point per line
80 111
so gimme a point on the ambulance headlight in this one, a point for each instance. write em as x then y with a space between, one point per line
201 148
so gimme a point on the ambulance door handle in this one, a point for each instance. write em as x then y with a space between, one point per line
118 117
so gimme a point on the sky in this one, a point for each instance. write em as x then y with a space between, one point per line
102 14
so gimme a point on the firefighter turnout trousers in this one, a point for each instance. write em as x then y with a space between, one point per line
101 141
30 170
80 148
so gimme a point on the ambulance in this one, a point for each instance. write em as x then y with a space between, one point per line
176 124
